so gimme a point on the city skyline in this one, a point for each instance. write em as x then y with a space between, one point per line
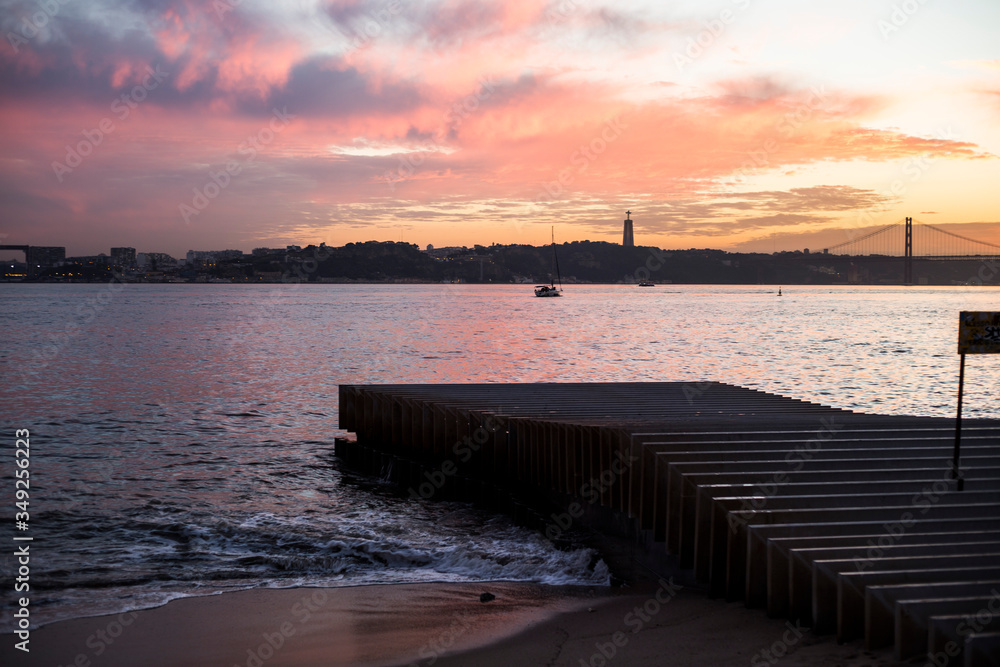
743 126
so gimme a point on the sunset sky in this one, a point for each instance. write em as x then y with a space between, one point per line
169 125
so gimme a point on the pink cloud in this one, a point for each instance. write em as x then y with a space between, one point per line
458 82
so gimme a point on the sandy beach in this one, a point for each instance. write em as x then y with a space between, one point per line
655 623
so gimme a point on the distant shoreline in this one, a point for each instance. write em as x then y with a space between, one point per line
582 262
403 283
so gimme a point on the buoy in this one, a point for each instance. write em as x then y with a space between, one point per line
779 291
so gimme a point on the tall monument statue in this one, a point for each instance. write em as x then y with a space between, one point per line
628 240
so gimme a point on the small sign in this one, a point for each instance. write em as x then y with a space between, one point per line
979 332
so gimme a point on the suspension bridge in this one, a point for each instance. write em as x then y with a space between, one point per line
911 239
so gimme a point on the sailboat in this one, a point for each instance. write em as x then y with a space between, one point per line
550 290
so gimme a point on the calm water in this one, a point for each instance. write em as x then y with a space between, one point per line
181 435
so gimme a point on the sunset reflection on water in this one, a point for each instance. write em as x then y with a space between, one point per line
288 347
185 433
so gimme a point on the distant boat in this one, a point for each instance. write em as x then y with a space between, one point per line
546 290
550 290
646 283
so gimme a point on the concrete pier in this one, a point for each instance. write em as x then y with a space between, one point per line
847 522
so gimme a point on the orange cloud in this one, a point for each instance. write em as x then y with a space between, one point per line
454 108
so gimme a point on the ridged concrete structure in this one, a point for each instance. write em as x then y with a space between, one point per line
845 522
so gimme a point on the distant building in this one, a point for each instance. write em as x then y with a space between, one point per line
209 257
95 261
13 270
628 240
155 261
199 259
123 258
448 251
39 258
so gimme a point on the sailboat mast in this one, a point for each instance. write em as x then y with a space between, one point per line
556 256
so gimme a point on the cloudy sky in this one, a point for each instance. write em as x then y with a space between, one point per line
170 125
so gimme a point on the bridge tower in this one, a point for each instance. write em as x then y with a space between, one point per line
908 254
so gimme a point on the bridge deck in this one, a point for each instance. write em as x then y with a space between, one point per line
785 504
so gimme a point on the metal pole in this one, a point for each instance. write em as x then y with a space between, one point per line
908 253
958 425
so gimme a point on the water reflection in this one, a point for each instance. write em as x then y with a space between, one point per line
286 348
187 429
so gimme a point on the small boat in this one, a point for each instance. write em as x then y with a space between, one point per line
646 283
551 290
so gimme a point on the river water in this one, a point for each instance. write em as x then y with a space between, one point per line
181 435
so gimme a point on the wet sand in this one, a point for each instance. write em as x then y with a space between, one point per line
441 624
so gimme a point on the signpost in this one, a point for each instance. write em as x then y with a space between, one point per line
978 333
